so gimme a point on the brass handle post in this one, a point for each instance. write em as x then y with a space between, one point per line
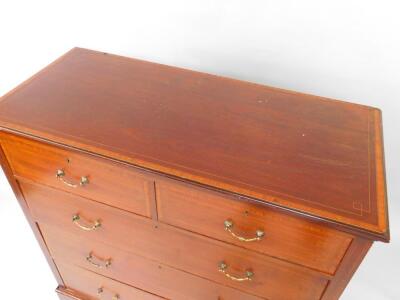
60 174
228 224
100 291
223 268
76 220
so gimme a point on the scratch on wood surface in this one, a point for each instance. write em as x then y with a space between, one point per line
326 161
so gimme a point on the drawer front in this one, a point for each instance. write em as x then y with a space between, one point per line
177 248
108 182
251 226
94 286
129 268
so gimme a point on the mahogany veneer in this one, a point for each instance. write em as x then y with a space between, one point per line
143 181
93 286
110 183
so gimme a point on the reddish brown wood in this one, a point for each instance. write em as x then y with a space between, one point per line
308 171
302 152
171 283
354 256
88 283
18 194
110 183
67 294
146 274
180 249
287 237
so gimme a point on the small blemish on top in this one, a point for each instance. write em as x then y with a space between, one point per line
303 134
262 101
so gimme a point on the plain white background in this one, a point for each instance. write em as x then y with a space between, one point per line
347 50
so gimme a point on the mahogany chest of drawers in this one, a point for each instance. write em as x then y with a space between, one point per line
144 181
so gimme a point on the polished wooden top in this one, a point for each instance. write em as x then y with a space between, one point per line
306 153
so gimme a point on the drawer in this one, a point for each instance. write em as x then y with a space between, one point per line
177 248
68 250
108 182
251 226
93 286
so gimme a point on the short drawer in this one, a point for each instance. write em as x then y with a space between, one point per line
254 227
93 286
177 248
128 268
81 174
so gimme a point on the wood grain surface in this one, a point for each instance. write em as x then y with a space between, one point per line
67 294
89 283
287 237
180 249
352 260
161 279
140 272
114 184
306 153
168 155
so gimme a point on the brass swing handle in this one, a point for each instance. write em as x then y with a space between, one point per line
228 224
100 291
101 264
223 268
61 176
76 218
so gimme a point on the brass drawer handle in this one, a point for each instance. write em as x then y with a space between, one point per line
76 218
100 291
101 264
61 174
223 268
229 226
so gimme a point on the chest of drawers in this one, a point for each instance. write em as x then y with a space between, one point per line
143 181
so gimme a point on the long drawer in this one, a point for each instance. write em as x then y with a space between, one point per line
69 250
84 175
251 226
178 248
93 286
